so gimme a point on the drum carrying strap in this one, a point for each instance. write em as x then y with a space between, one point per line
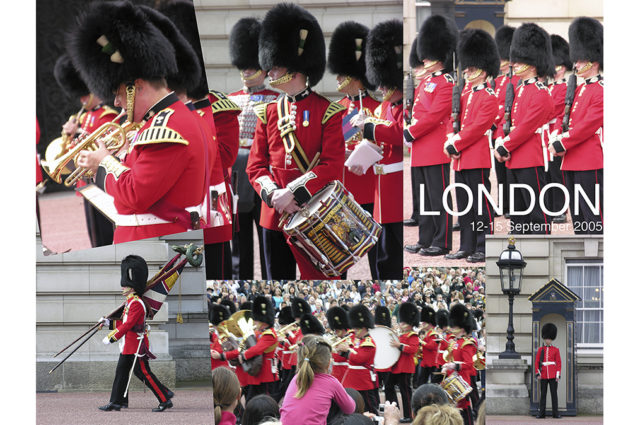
286 125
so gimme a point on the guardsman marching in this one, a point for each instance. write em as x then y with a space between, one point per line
470 148
442 320
339 324
360 374
427 134
287 367
382 317
523 149
310 325
347 60
217 314
384 69
243 49
548 367
581 146
158 189
298 146
430 345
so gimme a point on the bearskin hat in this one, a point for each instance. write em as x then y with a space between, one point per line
243 44
384 54
428 315
183 16
442 318
360 317
218 313
478 49
292 38
134 273
409 314
114 43
247 305
504 35
68 78
345 307
346 51
286 316
309 324
382 316
414 60
531 45
560 49
231 306
459 317
437 40
299 307
549 331
337 318
262 310
585 39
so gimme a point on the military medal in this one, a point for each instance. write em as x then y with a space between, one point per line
305 119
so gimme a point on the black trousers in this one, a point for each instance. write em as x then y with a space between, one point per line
474 396
501 177
554 198
370 403
280 263
436 378
389 252
142 371
99 227
269 388
478 222
467 416
371 255
217 258
403 381
242 250
585 221
415 194
434 230
536 222
553 386
286 376
425 374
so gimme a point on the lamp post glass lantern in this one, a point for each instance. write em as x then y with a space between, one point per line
511 265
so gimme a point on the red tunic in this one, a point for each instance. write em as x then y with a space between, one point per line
501 91
406 362
443 349
340 364
430 346
131 327
217 346
549 357
225 114
462 351
360 374
558 92
362 187
289 354
163 174
266 345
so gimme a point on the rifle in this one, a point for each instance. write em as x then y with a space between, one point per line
568 101
455 96
408 99
508 104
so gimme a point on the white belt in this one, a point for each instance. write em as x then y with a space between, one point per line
342 364
289 352
442 352
357 367
220 188
548 363
126 220
246 143
381 169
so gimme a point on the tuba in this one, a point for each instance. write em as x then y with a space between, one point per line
240 325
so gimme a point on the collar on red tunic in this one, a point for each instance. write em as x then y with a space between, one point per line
356 98
251 90
298 97
163 103
202 103
593 79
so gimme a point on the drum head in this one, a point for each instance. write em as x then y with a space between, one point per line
386 355
312 206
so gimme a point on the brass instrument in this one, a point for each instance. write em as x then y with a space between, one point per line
479 361
240 325
334 340
282 332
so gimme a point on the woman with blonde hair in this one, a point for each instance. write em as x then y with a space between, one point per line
226 394
309 395
438 415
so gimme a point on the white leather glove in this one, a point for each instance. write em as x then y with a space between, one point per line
358 120
106 340
104 321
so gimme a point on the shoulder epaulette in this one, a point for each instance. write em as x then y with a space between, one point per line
540 85
158 132
269 332
221 102
367 342
108 111
261 112
469 341
411 333
490 91
332 109
449 78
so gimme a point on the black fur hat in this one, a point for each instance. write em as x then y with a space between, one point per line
68 78
504 35
478 49
189 69
299 307
459 317
428 315
384 54
549 331
382 316
337 318
414 60
560 49
347 51
218 313
247 305
360 317
437 40
183 15
283 42
532 45
134 273
309 324
243 44
114 43
585 39
286 316
409 314
442 318
231 306
262 310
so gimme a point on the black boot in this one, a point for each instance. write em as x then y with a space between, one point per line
109 407
163 406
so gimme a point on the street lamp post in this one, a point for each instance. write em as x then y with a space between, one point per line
511 265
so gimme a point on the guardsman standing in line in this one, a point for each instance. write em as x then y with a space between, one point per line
442 319
523 149
118 50
360 374
401 372
384 70
430 345
581 147
470 148
339 324
243 49
347 61
217 314
298 146
428 132
548 367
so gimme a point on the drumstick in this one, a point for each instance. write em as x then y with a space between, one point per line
312 164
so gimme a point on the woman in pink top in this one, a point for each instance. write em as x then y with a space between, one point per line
308 398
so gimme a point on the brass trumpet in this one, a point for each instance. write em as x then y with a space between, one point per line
282 332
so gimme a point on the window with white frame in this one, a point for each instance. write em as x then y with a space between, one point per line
585 278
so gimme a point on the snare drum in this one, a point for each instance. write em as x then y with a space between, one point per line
333 230
456 387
